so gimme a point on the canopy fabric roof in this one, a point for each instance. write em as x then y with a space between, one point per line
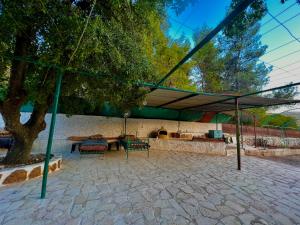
171 98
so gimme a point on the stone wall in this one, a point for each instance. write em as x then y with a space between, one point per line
80 125
27 172
272 152
208 148
274 141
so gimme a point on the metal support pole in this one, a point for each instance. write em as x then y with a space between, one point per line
242 136
255 138
217 121
51 131
237 131
125 127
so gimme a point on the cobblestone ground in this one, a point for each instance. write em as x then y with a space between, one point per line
167 188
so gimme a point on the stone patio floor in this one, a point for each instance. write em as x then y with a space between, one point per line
168 188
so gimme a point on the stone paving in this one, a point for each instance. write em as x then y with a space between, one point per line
168 188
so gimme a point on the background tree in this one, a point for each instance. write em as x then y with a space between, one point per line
164 53
208 64
241 49
279 120
288 92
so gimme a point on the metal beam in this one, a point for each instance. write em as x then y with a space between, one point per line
243 106
228 19
237 131
223 101
270 89
206 104
177 100
51 131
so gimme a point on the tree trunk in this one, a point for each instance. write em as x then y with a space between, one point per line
23 134
20 150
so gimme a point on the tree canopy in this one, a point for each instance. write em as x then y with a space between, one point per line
107 37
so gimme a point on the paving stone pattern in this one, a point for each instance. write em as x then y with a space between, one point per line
168 188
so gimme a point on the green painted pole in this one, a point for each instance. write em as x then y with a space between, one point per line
255 138
51 131
237 131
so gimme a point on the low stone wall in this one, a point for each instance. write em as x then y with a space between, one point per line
27 172
272 152
274 141
209 148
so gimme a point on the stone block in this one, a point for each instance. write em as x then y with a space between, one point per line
37 171
52 167
16 176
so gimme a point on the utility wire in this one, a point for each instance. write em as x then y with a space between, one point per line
181 25
279 47
83 31
284 78
293 63
297 68
278 14
284 56
275 27
195 30
285 27
280 68
276 48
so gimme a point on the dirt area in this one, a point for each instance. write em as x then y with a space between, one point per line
293 160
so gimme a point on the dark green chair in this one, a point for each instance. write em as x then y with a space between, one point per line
135 144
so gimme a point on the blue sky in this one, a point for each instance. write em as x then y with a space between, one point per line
211 12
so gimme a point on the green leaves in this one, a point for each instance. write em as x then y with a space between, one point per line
287 93
246 18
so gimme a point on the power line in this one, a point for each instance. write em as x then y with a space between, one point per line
280 68
289 19
285 27
278 14
291 53
293 63
281 46
176 21
297 68
284 78
181 25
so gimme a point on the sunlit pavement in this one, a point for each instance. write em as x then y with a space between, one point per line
167 188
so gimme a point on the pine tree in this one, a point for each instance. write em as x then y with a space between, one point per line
241 49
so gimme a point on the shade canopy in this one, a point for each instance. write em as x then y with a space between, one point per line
171 98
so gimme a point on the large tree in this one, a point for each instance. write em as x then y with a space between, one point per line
102 36
241 50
